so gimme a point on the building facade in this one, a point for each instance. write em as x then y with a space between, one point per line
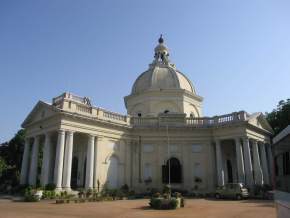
163 138
281 150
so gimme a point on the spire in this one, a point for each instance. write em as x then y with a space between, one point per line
160 40
161 52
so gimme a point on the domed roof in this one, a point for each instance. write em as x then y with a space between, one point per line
162 74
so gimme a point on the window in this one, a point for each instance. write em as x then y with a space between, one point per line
147 174
139 115
148 148
286 163
166 111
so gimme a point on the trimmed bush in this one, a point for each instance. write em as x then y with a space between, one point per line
155 203
173 203
163 204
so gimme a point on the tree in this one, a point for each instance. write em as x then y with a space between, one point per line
3 166
279 118
11 157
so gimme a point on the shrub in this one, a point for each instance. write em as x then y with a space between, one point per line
156 195
50 187
182 202
89 192
177 195
173 203
125 189
164 204
155 203
30 195
166 189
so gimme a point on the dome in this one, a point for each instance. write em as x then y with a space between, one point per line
162 74
162 77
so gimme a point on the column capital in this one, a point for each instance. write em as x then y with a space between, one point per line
36 139
238 139
48 134
69 132
91 136
27 140
61 131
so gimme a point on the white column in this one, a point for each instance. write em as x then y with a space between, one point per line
34 162
68 161
96 159
258 174
25 162
59 159
46 160
264 164
270 162
90 163
219 164
248 162
240 161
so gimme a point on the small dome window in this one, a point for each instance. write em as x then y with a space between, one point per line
139 115
166 111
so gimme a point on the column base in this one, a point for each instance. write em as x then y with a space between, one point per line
67 189
58 189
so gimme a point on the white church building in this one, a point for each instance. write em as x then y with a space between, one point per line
163 138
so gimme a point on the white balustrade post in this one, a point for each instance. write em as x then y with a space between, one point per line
219 164
46 160
90 163
240 161
25 162
68 161
264 163
248 162
58 169
34 161
258 174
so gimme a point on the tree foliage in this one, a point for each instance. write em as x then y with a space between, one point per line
279 118
3 166
11 157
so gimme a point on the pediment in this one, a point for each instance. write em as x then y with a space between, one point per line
41 110
259 120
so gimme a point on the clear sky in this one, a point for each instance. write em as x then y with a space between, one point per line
236 53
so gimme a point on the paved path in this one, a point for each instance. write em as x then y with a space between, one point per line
195 208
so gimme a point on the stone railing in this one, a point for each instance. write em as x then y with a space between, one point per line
189 121
82 106
114 116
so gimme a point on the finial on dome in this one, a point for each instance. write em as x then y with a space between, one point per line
160 40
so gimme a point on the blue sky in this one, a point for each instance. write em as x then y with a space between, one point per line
236 53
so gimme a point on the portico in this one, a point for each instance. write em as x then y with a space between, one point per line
242 160
58 149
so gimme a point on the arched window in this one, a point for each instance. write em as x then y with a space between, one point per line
139 115
166 111
175 171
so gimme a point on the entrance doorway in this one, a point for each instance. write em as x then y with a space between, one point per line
175 171
230 171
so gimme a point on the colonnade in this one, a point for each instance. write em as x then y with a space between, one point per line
254 166
63 160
